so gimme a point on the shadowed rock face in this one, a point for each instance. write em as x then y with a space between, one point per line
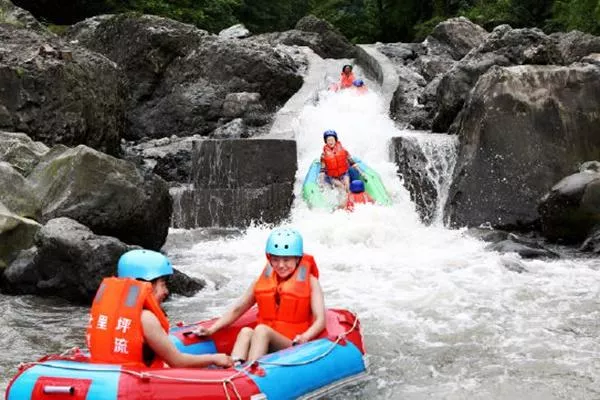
522 130
57 92
108 195
178 76
69 261
236 182
570 211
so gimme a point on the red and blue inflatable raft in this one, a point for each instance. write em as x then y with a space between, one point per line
306 371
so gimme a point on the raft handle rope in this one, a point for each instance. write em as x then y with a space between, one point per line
225 382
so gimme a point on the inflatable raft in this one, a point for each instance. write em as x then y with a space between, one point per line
306 371
317 198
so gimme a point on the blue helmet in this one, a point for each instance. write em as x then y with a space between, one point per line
328 133
357 186
285 242
143 264
358 83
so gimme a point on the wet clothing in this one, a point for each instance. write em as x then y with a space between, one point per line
115 334
357 198
336 161
346 81
285 305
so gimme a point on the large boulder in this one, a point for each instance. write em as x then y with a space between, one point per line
108 195
575 45
178 76
459 35
522 129
16 233
570 211
11 14
504 47
319 35
69 261
20 151
17 193
57 92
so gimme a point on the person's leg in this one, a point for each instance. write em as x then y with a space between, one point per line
242 344
346 180
337 183
265 339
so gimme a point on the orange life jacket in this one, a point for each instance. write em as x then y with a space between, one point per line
293 314
115 334
346 80
357 198
336 160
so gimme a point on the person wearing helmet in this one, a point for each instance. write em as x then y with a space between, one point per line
359 85
291 308
335 162
346 77
357 195
127 325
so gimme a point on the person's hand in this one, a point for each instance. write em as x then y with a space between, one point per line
321 179
222 360
300 339
202 331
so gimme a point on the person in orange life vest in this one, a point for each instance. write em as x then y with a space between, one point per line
291 307
346 77
357 195
335 162
127 324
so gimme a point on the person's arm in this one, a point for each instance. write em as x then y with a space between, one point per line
354 165
317 304
159 342
242 305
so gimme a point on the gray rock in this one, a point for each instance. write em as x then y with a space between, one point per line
593 58
575 45
522 130
238 31
178 75
315 33
108 195
16 233
11 14
459 35
503 47
234 129
592 243
412 166
528 251
17 194
570 211
69 261
20 151
237 104
57 92
170 158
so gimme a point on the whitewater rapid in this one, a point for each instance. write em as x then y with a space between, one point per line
442 317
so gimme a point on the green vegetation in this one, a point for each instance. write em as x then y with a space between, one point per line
363 21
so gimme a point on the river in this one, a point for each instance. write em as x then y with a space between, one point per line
442 317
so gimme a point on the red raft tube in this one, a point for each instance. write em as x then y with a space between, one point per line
306 371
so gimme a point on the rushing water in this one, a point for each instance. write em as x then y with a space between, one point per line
442 317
